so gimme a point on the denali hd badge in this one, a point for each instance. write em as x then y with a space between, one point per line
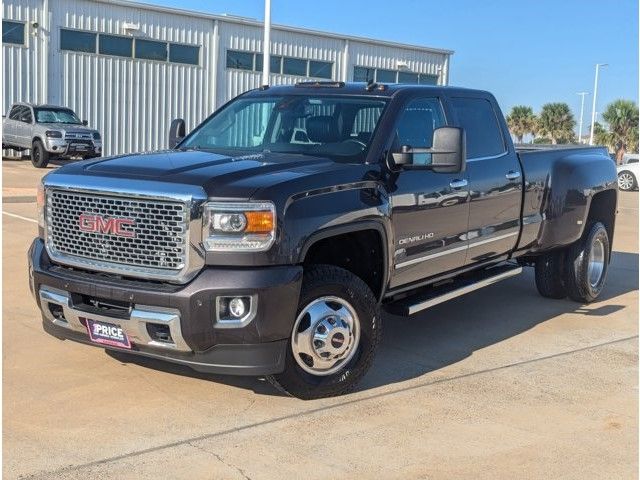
112 226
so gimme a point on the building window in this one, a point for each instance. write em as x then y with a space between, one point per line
279 65
363 74
115 45
386 76
408 77
150 50
184 54
275 63
320 69
12 32
239 60
366 74
77 41
426 79
294 66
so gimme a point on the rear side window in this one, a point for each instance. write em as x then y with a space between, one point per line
477 117
15 112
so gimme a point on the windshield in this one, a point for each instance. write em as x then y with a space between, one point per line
56 115
340 128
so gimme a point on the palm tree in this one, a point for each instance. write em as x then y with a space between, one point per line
622 117
557 122
521 121
601 136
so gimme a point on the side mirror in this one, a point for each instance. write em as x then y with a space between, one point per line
177 131
448 153
85 122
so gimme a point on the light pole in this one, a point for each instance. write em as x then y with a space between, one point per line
582 94
595 95
266 47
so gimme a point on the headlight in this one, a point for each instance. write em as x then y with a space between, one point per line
40 203
96 136
53 134
238 227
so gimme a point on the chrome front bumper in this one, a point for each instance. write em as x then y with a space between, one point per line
135 325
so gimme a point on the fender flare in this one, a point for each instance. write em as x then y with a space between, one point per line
357 226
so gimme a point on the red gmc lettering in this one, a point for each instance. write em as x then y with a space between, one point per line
112 226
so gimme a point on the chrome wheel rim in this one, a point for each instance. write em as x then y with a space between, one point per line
596 262
325 336
625 181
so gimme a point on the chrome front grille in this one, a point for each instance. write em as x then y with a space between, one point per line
78 135
84 229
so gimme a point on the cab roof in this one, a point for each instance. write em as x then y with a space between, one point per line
353 88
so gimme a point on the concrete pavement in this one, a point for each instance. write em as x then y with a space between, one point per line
497 384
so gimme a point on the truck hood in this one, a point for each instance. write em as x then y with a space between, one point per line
219 175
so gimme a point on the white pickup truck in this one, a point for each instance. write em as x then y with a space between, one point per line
49 132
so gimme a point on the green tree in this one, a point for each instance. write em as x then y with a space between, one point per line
601 136
557 123
521 121
622 118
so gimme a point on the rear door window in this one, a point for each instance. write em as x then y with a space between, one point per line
479 120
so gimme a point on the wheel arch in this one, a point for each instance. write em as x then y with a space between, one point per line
320 247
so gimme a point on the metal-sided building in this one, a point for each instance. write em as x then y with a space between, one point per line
130 68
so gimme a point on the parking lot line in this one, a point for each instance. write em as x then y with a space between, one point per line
20 217
421 385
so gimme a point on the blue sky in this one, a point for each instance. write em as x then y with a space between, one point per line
525 52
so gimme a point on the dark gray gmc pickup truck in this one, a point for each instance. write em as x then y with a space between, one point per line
269 239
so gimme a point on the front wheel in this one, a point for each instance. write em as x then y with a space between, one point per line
39 156
586 264
334 337
626 181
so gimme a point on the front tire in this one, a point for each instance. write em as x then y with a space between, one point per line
335 335
39 155
586 264
627 181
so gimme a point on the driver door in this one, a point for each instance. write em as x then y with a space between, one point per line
430 211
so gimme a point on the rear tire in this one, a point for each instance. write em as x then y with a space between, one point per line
550 275
586 264
329 296
39 156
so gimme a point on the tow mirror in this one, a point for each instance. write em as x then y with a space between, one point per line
176 132
448 153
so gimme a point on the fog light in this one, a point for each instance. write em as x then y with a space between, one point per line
236 307
234 312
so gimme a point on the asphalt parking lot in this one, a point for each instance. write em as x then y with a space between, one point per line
497 384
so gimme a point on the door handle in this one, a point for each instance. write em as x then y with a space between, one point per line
512 175
457 184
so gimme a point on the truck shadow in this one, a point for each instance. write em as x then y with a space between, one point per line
452 331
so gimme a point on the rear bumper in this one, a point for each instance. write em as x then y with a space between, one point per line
66 298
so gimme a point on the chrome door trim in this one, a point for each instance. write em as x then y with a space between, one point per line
491 157
455 250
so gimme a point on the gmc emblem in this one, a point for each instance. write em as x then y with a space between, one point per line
111 226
